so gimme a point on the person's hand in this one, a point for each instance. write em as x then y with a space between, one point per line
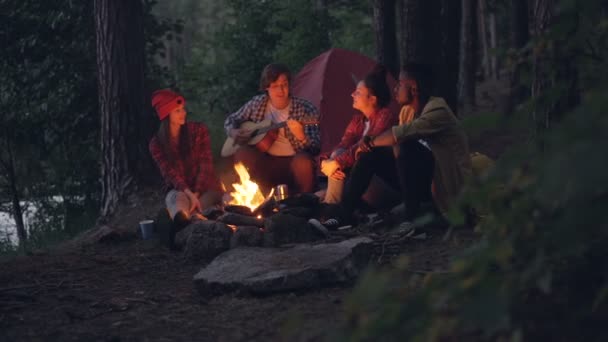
226 198
240 135
358 152
338 175
296 128
362 148
366 143
329 166
195 204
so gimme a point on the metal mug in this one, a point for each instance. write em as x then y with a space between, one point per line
147 229
280 192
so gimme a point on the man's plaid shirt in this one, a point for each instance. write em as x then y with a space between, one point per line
301 111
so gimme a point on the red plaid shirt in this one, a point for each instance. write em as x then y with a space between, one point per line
379 122
199 163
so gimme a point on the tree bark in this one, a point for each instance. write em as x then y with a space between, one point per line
468 32
120 64
386 38
417 31
9 166
483 37
518 38
552 69
430 35
448 65
493 45
520 31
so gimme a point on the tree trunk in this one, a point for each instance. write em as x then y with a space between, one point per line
518 38
8 166
386 38
120 64
493 45
552 70
466 79
519 32
15 199
430 35
447 65
417 31
483 38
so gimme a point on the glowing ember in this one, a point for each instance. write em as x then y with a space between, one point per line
247 193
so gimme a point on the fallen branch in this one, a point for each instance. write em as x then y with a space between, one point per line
21 287
141 300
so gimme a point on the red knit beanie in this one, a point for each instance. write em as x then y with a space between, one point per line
165 101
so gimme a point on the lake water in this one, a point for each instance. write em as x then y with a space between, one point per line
8 229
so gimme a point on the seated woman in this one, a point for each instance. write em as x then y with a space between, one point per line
371 97
433 159
182 152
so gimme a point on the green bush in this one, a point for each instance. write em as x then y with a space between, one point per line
538 271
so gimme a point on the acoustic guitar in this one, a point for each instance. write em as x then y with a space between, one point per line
263 135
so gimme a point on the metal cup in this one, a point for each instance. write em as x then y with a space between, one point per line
147 229
280 192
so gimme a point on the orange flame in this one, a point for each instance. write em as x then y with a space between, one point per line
247 193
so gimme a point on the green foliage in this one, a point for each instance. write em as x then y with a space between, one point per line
237 39
539 269
50 122
49 100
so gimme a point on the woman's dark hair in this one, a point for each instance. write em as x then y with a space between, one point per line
375 81
423 74
272 72
183 145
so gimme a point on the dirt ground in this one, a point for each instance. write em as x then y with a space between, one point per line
134 290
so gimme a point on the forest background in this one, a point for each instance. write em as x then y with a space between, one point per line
212 52
540 261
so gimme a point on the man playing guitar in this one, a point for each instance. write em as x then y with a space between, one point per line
290 158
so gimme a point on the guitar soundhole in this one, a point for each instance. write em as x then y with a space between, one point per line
264 144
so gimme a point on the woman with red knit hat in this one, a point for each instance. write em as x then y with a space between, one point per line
182 152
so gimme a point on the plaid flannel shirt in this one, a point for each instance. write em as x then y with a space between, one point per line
301 110
200 163
379 122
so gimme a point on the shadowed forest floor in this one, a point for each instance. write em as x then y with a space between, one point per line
134 290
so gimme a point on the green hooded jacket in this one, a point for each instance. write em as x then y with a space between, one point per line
443 132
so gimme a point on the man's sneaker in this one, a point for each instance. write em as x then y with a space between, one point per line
319 227
335 224
406 228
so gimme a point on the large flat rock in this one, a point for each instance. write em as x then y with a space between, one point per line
257 270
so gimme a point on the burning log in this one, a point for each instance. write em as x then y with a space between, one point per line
240 220
238 209
213 212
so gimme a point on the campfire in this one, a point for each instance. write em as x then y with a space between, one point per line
246 193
